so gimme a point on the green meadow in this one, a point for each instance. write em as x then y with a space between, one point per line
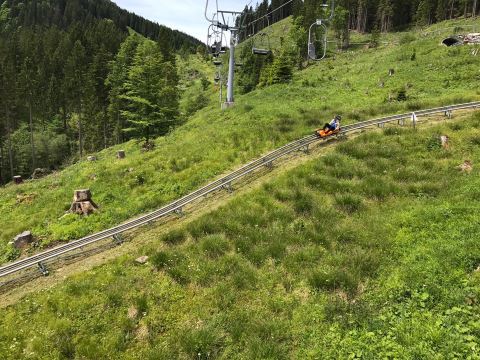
368 251
355 84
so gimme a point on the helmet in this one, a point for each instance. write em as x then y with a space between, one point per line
338 117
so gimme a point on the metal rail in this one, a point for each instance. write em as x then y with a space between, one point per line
222 183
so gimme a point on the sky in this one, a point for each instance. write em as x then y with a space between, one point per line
183 15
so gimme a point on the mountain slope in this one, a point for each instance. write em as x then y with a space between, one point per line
369 251
213 142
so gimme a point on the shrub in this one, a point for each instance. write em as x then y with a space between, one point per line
161 260
175 236
285 124
303 203
434 143
214 245
407 38
349 203
200 344
333 279
378 189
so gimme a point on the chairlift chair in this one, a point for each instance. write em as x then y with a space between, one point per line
312 49
261 43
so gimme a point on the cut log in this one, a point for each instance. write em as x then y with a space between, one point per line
22 240
121 154
83 203
18 180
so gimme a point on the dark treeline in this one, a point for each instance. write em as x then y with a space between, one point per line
71 80
363 15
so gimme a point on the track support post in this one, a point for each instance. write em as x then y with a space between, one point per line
179 212
118 239
228 187
449 113
305 149
43 269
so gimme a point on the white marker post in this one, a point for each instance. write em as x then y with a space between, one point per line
414 120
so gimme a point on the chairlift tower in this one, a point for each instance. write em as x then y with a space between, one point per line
220 20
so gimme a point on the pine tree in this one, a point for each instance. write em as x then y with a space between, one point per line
151 93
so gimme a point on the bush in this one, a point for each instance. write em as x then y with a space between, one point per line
175 236
434 143
333 279
214 245
349 203
161 260
407 38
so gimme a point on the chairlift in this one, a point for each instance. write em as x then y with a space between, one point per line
215 41
261 42
312 34
312 40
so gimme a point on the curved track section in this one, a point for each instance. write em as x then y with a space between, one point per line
223 182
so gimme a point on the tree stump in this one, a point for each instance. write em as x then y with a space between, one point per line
83 203
22 240
92 158
445 144
391 72
18 180
466 167
121 154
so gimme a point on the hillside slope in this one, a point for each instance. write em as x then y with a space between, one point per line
367 252
354 84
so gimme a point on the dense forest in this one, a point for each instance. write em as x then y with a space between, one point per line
363 15
77 76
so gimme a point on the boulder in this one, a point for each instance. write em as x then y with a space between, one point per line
142 260
121 154
91 158
40 173
22 240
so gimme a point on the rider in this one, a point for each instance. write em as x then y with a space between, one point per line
333 125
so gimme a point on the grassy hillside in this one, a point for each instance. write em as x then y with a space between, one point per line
370 251
355 84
